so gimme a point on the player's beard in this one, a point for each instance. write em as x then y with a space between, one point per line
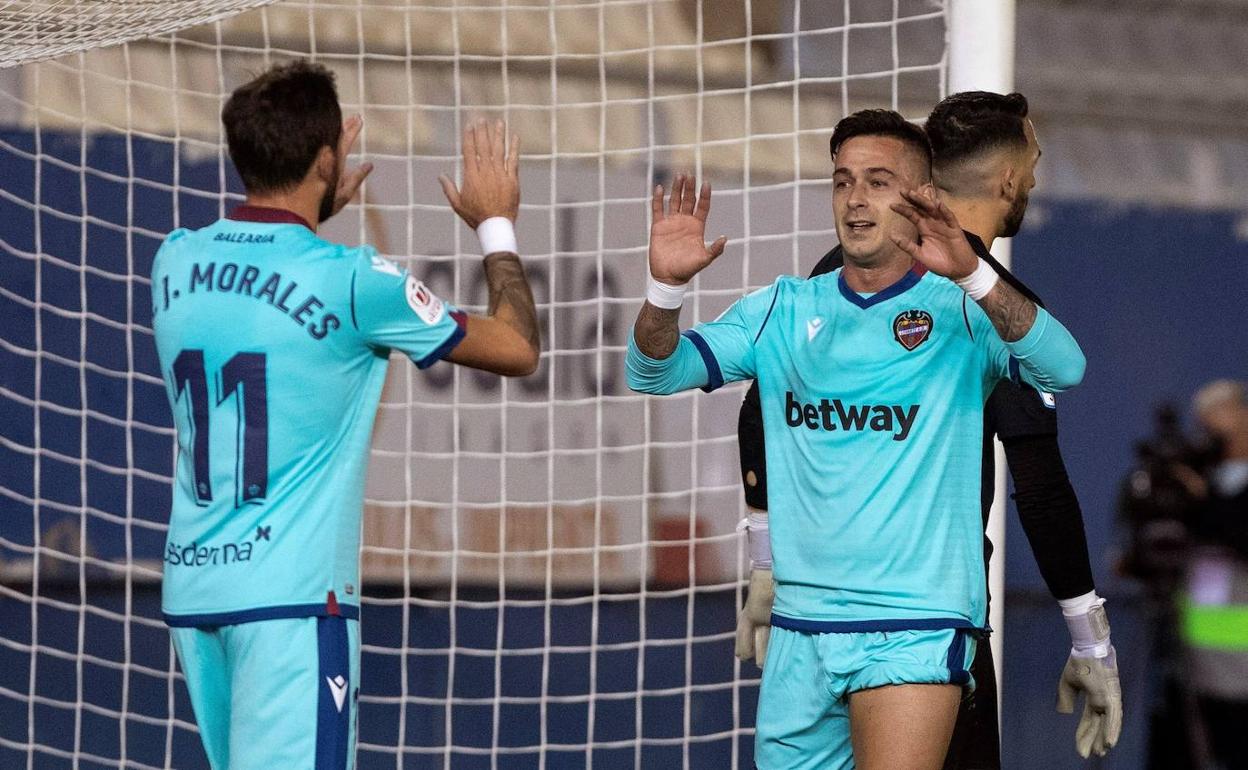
327 200
1014 217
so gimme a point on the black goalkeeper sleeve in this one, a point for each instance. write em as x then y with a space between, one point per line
1050 514
750 444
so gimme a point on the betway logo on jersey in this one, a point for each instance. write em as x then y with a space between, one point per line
837 415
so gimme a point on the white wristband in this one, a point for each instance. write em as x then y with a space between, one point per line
1088 625
1080 605
665 295
758 537
979 282
497 234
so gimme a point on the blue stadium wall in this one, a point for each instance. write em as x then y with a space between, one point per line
1153 294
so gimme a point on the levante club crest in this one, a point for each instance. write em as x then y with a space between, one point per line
912 327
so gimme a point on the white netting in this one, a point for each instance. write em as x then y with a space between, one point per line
42 29
551 565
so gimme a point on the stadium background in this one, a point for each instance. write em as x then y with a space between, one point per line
1134 237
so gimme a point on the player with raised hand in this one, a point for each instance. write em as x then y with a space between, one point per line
274 345
984 155
873 380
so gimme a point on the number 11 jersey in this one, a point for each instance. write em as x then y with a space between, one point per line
273 345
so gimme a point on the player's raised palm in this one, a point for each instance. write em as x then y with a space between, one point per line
678 249
942 246
349 179
491 186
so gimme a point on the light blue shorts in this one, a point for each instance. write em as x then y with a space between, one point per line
803 704
273 694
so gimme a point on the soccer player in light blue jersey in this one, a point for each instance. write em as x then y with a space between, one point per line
873 380
274 345
984 156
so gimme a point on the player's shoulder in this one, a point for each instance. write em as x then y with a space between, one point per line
795 293
177 235
175 239
172 244
796 284
366 258
784 290
789 283
767 294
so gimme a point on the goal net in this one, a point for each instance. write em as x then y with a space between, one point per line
551 569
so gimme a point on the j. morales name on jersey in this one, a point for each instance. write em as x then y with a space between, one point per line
282 293
830 415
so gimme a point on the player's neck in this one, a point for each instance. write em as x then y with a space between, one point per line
975 216
873 277
304 205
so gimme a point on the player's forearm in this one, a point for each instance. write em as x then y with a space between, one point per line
657 330
511 299
1049 512
681 369
1010 312
1048 356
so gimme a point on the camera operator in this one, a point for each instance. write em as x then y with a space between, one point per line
1159 498
1158 501
1213 605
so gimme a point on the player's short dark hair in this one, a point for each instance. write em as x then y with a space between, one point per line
277 123
966 124
883 123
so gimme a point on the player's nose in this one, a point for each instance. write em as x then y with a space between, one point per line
857 196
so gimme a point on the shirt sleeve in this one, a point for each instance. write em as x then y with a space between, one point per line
392 309
727 343
1046 357
710 354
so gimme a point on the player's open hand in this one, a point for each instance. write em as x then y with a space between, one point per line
491 174
678 249
942 246
349 179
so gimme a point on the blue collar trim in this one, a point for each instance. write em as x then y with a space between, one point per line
903 284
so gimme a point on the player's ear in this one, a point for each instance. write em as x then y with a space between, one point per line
928 191
1008 182
326 164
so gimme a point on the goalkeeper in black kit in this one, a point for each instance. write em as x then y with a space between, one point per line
984 157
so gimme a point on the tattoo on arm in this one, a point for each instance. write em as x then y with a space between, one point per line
511 300
657 331
1010 312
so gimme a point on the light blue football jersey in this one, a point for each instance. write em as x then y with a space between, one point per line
274 344
873 417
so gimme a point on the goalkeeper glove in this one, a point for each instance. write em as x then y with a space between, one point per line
754 620
1093 670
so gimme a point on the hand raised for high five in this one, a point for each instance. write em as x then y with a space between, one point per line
349 180
491 175
678 250
942 246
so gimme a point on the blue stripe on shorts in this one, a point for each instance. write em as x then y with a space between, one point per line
333 712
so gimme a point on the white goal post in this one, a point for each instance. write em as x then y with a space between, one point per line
981 58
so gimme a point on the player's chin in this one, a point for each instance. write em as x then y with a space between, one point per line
862 247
